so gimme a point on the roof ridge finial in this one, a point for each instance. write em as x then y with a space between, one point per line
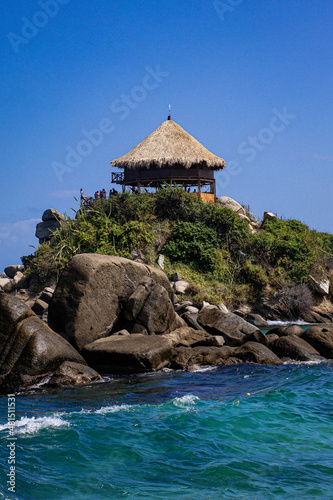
169 117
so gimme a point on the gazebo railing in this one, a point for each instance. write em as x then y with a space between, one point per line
117 177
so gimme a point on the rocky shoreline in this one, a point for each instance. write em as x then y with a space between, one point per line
114 315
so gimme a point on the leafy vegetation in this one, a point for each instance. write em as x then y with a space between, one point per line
209 245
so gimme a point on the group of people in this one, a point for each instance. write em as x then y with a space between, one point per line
99 195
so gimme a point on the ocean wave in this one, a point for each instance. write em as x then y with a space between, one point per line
310 363
185 401
202 369
113 409
31 425
299 322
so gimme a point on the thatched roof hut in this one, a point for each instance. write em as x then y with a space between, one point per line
170 155
169 145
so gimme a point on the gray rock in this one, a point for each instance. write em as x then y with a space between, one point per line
122 332
257 336
207 305
284 331
180 286
214 341
187 336
160 261
222 307
138 298
256 353
270 337
39 307
12 311
322 287
158 315
233 328
128 354
181 307
46 296
191 309
256 320
50 214
44 230
18 277
11 271
294 348
4 282
321 338
92 292
227 202
70 373
186 358
45 352
191 320
268 216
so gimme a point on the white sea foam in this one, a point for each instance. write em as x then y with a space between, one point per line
113 409
286 323
187 400
310 363
31 425
202 369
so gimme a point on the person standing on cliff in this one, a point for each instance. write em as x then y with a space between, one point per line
84 199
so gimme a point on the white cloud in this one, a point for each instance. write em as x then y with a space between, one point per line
17 232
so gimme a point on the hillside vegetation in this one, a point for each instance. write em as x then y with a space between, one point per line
210 246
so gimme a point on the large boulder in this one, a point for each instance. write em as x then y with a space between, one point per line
17 342
45 352
191 320
233 328
321 338
227 202
187 358
71 373
322 287
33 349
94 290
151 309
12 270
29 349
51 214
256 320
186 336
129 353
12 311
52 220
294 348
284 331
68 373
44 230
4 282
256 353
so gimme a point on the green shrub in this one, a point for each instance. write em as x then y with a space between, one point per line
287 245
193 243
254 275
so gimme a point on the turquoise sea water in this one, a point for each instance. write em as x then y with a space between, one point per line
241 432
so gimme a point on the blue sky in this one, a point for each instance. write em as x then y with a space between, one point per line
84 82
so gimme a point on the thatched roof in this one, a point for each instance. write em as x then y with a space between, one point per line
169 145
